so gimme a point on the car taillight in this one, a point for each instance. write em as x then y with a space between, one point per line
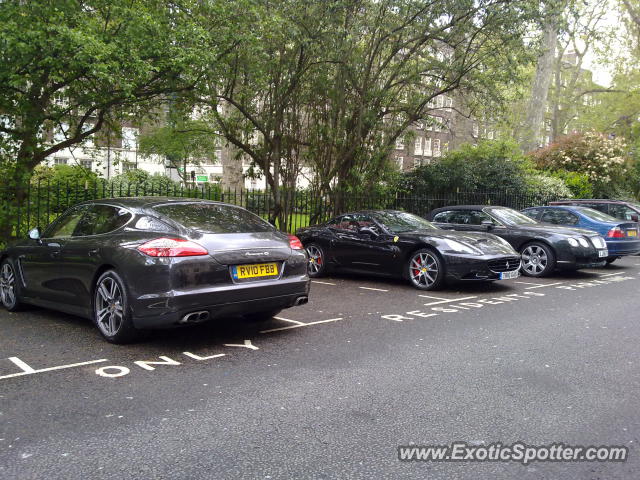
295 243
172 247
615 232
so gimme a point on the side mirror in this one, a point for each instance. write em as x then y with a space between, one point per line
488 224
34 233
367 231
634 218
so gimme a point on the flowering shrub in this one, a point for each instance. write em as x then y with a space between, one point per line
603 160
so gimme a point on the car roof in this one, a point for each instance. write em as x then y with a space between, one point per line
146 202
587 200
465 207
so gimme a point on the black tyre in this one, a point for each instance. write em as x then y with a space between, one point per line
425 269
9 288
538 260
262 316
317 260
110 309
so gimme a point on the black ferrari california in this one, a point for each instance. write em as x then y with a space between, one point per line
135 263
399 244
544 247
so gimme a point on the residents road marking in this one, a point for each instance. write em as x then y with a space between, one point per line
528 283
301 325
288 320
449 301
27 370
323 283
545 285
434 298
375 289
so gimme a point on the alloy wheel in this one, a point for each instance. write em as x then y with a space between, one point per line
316 261
7 285
423 269
109 306
534 260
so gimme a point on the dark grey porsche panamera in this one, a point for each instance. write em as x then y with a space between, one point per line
149 262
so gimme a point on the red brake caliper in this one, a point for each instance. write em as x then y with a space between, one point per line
419 262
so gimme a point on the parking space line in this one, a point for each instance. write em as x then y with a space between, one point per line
429 296
545 285
289 320
374 289
301 325
27 370
323 283
449 301
528 283
608 274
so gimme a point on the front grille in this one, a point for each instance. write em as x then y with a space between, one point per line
504 264
598 242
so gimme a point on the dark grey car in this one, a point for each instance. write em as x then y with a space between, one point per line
135 263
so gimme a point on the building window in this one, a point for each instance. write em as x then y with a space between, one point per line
440 101
416 162
88 141
437 124
490 135
427 147
60 161
60 133
129 138
86 164
400 163
547 125
417 150
420 125
436 147
449 103
400 143
127 166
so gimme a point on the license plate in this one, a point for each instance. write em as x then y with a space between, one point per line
509 275
603 253
255 270
632 233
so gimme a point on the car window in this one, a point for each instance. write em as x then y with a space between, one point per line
559 217
622 212
101 219
533 213
596 215
509 216
399 222
345 222
476 217
65 225
213 217
444 217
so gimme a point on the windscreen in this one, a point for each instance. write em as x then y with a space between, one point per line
213 218
509 216
597 215
398 222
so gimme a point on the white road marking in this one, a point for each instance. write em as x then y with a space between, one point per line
288 320
528 283
30 371
375 289
434 298
323 283
449 301
545 285
302 325
608 274
247 344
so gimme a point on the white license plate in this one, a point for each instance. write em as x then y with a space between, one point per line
603 253
509 275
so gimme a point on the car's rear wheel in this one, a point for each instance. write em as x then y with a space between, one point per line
262 316
317 261
538 260
111 312
9 286
425 269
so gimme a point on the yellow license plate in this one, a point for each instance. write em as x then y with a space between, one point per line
255 270
632 233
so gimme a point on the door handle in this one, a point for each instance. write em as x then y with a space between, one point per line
55 254
93 253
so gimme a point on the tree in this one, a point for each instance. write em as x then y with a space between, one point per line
73 66
181 142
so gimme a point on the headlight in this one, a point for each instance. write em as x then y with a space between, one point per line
599 242
583 242
573 242
462 248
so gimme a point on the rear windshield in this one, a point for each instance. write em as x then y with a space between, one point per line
596 215
213 218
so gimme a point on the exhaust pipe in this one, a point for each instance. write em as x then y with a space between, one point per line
195 317
300 301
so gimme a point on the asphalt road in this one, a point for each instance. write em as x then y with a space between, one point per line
331 389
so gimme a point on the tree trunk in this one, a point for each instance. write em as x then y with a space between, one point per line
540 88
232 173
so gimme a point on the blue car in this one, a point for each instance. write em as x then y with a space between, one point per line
622 237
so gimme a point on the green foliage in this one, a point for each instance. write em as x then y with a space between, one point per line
63 175
577 183
140 182
491 166
603 160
